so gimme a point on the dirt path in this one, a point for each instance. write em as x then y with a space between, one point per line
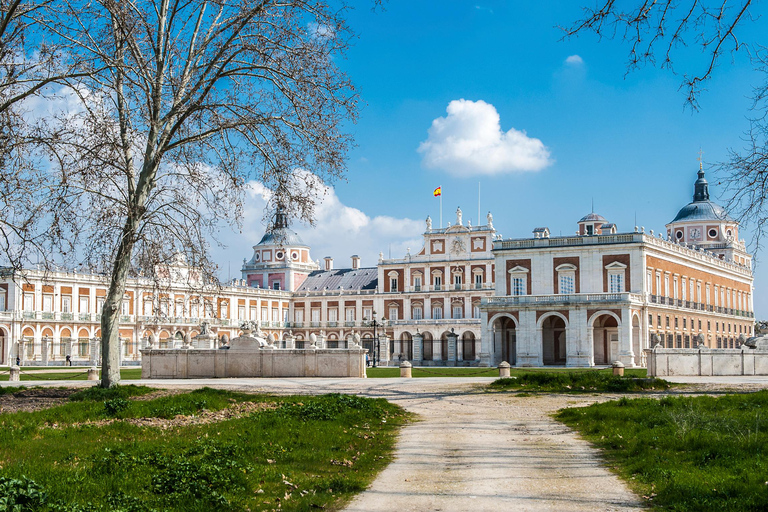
493 452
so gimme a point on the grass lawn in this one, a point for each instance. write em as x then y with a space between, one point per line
579 382
199 451
685 453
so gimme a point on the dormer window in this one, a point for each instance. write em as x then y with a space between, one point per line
590 229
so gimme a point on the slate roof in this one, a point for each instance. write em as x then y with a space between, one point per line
702 210
593 217
346 278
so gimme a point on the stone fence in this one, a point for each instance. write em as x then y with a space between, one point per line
706 361
217 363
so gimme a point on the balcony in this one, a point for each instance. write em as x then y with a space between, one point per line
575 298
437 321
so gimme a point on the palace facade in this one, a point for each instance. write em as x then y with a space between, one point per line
465 298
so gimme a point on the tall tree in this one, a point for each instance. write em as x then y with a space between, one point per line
700 33
190 100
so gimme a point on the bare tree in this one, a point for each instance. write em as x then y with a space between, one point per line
186 102
660 33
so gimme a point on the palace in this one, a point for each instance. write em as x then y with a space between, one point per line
466 297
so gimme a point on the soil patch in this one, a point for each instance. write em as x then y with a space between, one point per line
34 399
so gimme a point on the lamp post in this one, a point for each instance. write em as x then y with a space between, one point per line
377 346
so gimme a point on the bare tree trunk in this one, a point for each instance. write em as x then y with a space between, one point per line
110 314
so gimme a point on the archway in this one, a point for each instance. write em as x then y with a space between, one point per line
65 339
368 345
47 336
83 341
427 352
553 340
28 335
468 346
504 339
605 339
404 349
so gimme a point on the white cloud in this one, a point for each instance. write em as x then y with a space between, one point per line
469 141
340 231
574 60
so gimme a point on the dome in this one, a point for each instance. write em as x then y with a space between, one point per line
702 208
593 217
281 233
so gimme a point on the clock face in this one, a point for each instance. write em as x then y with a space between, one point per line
695 233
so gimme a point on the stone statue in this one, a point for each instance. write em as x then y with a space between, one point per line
313 339
356 337
270 339
489 217
205 328
655 340
700 340
224 341
458 217
187 341
429 223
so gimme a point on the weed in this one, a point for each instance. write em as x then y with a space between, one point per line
99 394
115 405
578 382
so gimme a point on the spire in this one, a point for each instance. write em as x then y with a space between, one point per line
281 218
701 187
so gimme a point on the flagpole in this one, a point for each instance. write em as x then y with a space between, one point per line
441 208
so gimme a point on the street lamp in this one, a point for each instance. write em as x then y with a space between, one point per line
377 347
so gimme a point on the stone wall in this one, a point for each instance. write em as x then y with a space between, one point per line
706 361
213 363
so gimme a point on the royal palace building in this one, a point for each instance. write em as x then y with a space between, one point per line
466 297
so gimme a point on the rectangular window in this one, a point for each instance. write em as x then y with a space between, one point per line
616 283
367 314
48 303
298 316
264 314
457 281
476 311
417 283
276 315
333 315
29 301
349 315
438 282
667 321
684 324
658 318
240 312
315 315
66 304
457 311
276 285
418 313
676 324
650 320
99 304
518 285
252 315
567 284
437 313
478 281
125 306
393 284
393 313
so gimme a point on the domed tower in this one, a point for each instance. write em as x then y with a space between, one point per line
594 224
707 225
281 260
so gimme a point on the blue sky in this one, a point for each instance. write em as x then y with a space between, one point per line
626 141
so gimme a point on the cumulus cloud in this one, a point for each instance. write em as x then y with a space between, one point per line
574 60
470 141
340 231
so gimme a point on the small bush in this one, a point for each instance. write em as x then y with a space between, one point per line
99 394
116 405
20 494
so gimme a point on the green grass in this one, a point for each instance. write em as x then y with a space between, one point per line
686 453
578 382
296 453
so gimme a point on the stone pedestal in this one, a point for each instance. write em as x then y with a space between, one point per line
15 374
290 341
618 368
453 339
93 373
405 370
418 344
504 369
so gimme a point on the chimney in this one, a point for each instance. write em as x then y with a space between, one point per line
355 262
328 263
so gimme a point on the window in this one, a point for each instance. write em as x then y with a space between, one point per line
367 314
298 316
616 282
393 284
437 312
658 323
418 313
684 294
125 305
316 316
478 281
458 311
264 315
675 287
667 321
709 325
252 315
438 281
29 301
650 320
676 324
241 312
99 304
276 285
476 310
699 324
589 229
518 281
66 304
567 285
457 281
48 303
349 315
276 315
566 277
333 315
224 310
417 283
393 310
684 324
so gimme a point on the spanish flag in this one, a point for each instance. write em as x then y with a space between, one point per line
438 191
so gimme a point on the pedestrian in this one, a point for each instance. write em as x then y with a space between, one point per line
69 360
18 361
367 362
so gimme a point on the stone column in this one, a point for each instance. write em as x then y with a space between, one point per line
44 342
577 347
486 340
452 340
626 354
418 343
